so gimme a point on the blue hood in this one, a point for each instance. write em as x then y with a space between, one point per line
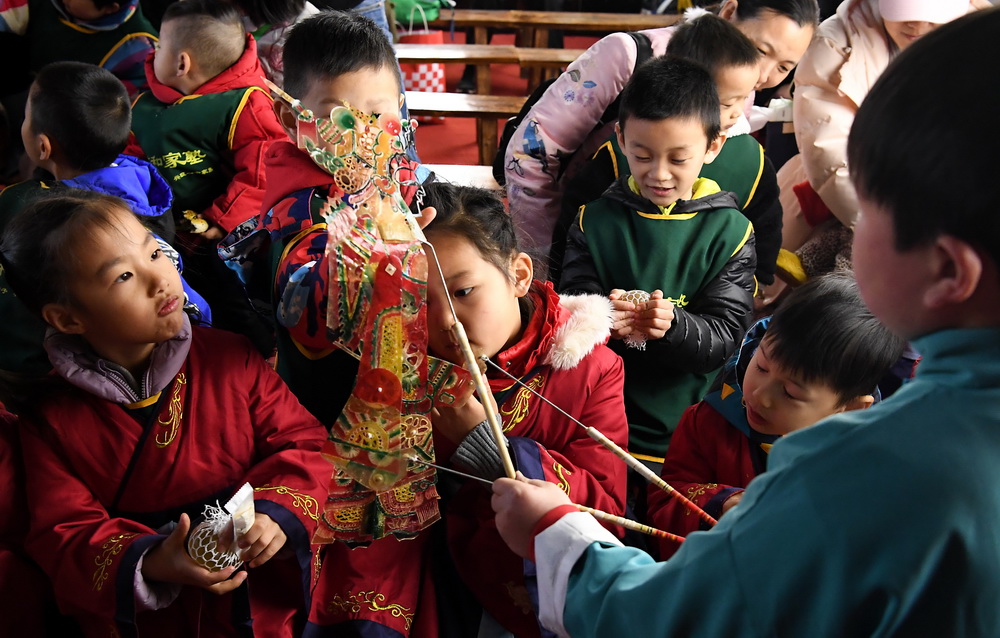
104 23
132 179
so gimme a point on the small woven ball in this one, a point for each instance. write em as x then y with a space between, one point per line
636 296
201 546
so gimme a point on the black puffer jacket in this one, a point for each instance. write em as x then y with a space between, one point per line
705 333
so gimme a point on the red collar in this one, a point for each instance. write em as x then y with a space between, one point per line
532 348
244 73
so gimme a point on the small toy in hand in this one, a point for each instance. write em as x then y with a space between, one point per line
636 339
231 521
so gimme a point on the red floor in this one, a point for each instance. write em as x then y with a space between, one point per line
454 140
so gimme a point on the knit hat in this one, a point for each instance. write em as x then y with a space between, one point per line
936 11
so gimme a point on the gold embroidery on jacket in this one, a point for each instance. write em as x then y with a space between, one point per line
514 410
354 603
562 473
309 505
695 491
174 416
111 548
520 597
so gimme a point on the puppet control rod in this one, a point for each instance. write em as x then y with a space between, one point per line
630 460
598 514
471 364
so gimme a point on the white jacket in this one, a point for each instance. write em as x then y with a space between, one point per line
848 54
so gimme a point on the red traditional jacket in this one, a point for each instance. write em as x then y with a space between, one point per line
24 590
563 356
222 418
708 461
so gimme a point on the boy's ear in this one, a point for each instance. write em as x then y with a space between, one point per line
43 144
714 148
287 118
185 64
523 272
956 269
111 8
859 403
62 318
728 9
620 134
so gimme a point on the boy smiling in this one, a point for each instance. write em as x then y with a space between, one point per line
667 231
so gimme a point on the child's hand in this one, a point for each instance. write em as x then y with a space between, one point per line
262 541
455 422
519 505
169 562
214 233
622 315
655 316
732 502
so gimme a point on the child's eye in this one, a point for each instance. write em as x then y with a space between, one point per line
156 255
784 69
790 395
679 161
760 368
463 292
125 276
640 159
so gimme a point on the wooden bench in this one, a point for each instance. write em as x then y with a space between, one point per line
535 25
466 175
483 55
487 109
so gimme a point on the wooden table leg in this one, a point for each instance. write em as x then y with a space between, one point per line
540 41
483 79
486 136
481 34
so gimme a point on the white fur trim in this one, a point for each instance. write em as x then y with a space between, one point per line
589 326
740 127
694 13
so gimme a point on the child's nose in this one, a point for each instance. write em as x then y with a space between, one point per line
157 280
661 170
763 394
439 317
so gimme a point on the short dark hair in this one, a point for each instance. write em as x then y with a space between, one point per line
824 332
273 12
331 44
801 12
668 87
213 32
38 248
932 164
477 215
713 43
84 110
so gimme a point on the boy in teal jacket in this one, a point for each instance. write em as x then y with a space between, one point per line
882 522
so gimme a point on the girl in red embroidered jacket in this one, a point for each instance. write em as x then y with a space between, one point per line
555 346
150 421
